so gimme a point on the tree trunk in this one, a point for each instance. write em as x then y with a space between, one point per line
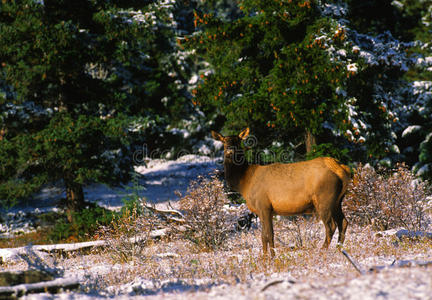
74 197
310 141
74 190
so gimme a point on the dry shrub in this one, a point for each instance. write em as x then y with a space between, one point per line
303 231
129 233
207 223
388 199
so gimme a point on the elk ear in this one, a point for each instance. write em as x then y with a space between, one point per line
244 134
217 136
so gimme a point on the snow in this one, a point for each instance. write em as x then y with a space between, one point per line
410 130
13 254
158 182
392 284
424 169
194 79
421 86
383 49
161 178
337 10
352 68
24 111
342 52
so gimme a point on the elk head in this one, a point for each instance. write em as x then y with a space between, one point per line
232 145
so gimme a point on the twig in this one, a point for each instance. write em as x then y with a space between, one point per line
352 262
275 282
272 283
165 211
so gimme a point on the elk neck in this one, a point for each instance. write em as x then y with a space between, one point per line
236 169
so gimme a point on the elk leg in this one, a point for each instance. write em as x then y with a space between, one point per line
326 216
267 234
330 227
271 237
342 224
342 227
343 230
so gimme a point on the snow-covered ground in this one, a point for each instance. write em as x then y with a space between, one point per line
157 181
172 271
313 274
395 284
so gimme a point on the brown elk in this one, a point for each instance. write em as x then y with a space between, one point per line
287 189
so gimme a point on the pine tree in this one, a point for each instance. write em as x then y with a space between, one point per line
416 129
73 75
272 69
309 71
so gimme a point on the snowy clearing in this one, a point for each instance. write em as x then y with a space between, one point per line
158 181
172 269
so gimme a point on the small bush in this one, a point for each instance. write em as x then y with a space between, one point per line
207 223
128 234
388 199
84 224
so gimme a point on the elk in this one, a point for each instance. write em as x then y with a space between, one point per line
317 185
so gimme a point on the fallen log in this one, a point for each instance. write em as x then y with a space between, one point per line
165 211
29 276
395 264
405 233
13 254
52 286
68 247
401 264
171 215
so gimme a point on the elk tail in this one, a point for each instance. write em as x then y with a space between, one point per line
342 171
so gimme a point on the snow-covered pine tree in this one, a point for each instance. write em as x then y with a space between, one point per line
296 71
75 75
416 126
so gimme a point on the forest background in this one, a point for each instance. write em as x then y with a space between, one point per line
85 85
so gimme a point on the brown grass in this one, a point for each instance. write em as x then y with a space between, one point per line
242 261
236 257
39 237
239 257
388 198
